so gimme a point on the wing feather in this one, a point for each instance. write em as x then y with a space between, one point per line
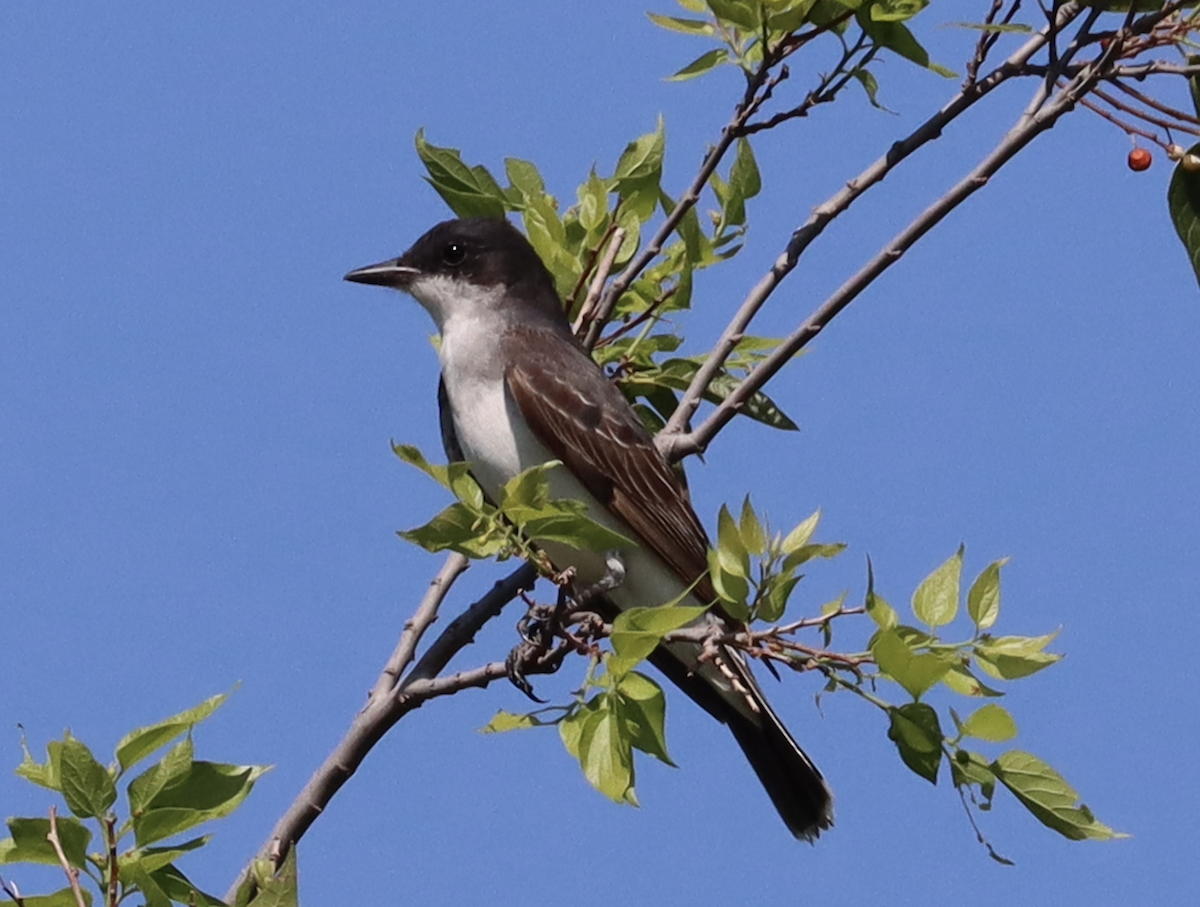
588 424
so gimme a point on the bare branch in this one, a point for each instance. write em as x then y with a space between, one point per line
586 311
988 39
422 619
1155 104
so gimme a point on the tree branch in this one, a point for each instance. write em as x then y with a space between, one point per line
415 627
382 712
673 440
1037 119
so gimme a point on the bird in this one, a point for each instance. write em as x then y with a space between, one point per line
518 390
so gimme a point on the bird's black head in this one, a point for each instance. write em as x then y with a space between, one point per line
476 253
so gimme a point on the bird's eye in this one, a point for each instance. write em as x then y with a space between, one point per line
453 254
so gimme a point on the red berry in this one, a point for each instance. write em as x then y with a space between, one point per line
1140 159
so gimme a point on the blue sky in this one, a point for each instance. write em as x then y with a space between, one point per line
197 489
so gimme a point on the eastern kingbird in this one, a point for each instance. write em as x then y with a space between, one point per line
518 390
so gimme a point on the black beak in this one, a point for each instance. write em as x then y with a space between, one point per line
385 274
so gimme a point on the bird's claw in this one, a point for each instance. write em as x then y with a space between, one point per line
521 655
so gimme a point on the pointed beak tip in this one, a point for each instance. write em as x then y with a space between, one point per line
385 274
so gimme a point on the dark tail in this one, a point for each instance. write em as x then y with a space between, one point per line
789 777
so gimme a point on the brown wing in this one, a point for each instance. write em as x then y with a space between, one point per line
589 425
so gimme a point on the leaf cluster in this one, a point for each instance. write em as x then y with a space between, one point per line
525 513
139 851
754 572
754 33
619 208
919 660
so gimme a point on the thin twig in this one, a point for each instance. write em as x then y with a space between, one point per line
71 871
415 627
1156 104
615 242
12 891
1141 114
110 829
987 40
1120 124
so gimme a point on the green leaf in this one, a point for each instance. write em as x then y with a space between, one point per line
750 529
133 874
469 191
878 610
706 62
897 10
732 588
642 158
606 756
87 785
570 729
211 790
530 489
1017 645
1013 657
684 26
802 556
412 455
731 550
280 889
46 774
990 722
1014 667
983 601
870 85
936 600
744 177
593 204
64 897
575 529
773 604
742 14
644 710
895 36
882 613
172 769
918 736
638 631
970 768
1046 794
799 537
963 682
916 673
1183 199
1194 83
28 843
137 745
154 858
504 721
995 27
456 528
